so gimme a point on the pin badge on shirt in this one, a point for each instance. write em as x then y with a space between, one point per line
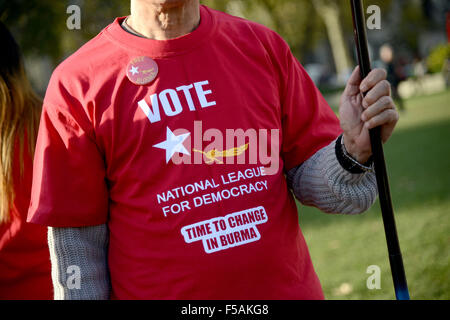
142 70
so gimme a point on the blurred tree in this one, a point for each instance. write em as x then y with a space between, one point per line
220 5
411 20
438 57
304 23
329 10
40 25
36 24
295 20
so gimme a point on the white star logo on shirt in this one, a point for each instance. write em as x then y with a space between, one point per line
134 70
173 144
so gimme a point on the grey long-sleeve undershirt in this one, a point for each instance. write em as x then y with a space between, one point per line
79 262
320 182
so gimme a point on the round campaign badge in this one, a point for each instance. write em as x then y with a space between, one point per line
142 70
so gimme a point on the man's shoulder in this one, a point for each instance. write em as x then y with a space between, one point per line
83 63
83 69
238 27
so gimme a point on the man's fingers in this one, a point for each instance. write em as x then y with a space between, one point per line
379 106
381 89
352 87
374 77
355 78
389 116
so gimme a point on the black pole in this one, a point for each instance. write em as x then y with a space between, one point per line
395 256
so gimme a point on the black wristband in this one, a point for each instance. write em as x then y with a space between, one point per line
348 163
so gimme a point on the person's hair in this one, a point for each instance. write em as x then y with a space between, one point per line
20 110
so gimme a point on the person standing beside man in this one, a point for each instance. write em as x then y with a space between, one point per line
24 256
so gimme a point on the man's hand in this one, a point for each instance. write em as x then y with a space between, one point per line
358 115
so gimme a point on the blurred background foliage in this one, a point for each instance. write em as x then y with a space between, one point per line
437 58
39 25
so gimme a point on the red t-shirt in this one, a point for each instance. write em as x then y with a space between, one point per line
109 151
24 255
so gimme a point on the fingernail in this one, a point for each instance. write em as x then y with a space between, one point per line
365 104
363 88
363 117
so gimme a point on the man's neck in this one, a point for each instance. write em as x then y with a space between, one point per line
166 21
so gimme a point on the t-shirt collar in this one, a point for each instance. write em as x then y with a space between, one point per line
163 48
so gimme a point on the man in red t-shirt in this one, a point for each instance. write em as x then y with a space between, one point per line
163 152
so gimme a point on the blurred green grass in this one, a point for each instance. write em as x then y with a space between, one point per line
418 161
